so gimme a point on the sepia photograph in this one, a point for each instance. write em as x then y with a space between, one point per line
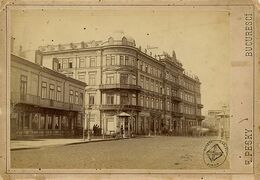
125 88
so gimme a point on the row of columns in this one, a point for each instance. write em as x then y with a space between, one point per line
22 116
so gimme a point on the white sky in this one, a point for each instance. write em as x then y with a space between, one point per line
199 38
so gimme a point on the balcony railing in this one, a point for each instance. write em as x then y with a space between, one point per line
200 117
27 98
200 105
190 116
177 114
120 107
176 98
120 86
30 99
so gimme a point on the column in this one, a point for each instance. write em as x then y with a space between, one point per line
30 120
39 120
46 121
129 125
60 119
149 126
53 123
170 124
23 114
123 127
154 126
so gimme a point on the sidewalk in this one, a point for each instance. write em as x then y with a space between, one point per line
39 143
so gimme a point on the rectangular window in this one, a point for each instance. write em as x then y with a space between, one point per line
152 85
81 77
168 91
80 98
147 102
113 60
23 85
82 62
108 60
71 98
91 99
65 63
122 60
142 101
92 79
55 64
59 94
92 62
134 79
44 90
52 91
70 63
141 65
110 79
156 87
110 98
146 68
133 99
157 104
123 79
124 98
147 83
76 97
127 62
152 103
142 81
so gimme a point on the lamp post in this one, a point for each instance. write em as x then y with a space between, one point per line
89 109
84 124
103 127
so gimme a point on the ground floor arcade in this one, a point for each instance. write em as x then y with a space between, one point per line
142 122
31 122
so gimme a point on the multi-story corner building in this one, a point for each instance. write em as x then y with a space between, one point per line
153 89
44 103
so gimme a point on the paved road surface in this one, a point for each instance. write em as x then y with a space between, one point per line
139 153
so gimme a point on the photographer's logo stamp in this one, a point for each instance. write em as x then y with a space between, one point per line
215 153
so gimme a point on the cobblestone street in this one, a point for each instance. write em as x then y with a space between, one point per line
138 153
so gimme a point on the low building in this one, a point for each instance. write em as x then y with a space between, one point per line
153 89
44 103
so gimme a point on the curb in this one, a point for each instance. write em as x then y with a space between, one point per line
75 143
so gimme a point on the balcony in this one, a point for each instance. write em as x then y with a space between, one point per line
177 114
113 107
75 107
200 105
176 98
17 98
200 117
190 116
120 86
29 99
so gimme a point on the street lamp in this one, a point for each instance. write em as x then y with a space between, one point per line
84 124
89 112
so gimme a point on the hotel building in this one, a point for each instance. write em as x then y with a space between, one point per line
44 103
153 89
